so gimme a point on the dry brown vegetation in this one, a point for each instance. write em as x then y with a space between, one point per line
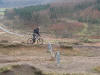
78 56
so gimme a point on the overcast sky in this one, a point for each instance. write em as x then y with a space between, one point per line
20 3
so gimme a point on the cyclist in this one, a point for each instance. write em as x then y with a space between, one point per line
36 33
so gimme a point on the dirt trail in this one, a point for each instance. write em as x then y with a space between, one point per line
40 58
72 64
3 29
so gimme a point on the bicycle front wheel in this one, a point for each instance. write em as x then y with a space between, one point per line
40 41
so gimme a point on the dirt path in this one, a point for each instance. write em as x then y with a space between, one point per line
72 64
3 29
40 58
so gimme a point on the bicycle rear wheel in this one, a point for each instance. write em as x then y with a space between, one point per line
30 41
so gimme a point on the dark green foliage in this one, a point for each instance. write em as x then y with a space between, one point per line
97 6
36 18
23 13
98 1
89 20
53 14
82 6
34 8
80 19
26 12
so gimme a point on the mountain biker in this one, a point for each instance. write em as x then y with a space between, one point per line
36 33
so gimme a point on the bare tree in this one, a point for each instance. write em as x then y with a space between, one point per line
53 14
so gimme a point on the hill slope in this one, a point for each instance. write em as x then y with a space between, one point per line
62 18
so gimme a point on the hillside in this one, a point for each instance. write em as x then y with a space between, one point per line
64 19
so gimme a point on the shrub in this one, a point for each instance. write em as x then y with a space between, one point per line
97 69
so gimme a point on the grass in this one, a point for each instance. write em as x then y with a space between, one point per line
95 40
2 13
5 69
65 74
97 69
7 45
84 30
8 68
88 40
78 52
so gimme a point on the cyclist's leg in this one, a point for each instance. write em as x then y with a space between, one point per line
34 38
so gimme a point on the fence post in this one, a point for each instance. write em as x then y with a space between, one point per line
58 58
49 48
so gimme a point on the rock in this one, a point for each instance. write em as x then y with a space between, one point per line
22 70
4 41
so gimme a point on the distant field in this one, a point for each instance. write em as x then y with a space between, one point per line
2 11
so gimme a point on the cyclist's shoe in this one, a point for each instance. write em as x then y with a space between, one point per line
34 40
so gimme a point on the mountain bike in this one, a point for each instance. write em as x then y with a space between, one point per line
36 39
